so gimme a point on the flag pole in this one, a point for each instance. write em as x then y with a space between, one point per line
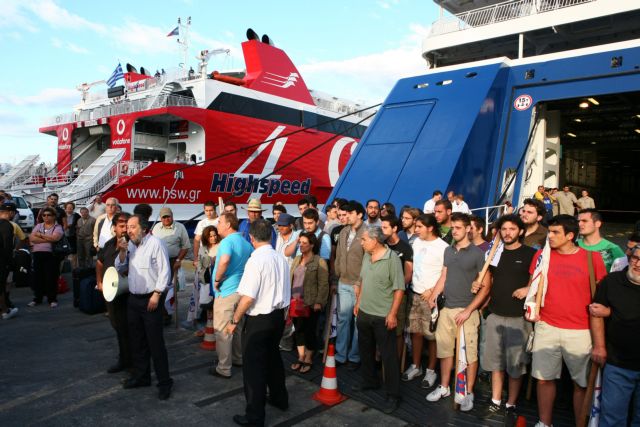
455 368
487 262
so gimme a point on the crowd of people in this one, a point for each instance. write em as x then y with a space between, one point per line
395 278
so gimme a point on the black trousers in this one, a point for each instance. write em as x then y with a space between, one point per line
371 332
262 364
147 340
305 331
117 310
46 268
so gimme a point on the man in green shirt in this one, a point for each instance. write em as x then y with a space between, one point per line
442 212
590 221
380 291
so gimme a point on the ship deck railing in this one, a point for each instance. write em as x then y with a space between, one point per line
123 107
499 12
489 213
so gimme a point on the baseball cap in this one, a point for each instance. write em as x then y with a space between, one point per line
165 212
285 219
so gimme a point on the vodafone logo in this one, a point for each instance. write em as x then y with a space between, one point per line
120 126
523 102
334 157
65 134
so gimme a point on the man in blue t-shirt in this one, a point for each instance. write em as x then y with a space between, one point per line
233 253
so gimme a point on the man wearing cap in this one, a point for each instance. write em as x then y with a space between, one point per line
233 253
174 236
286 234
254 211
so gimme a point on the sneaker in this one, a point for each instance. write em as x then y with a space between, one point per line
492 409
438 393
53 304
412 372
33 304
510 415
429 379
467 403
10 313
541 424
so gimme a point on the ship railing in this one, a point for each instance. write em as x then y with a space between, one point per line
123 107
490 214
499 12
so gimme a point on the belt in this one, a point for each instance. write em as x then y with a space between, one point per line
141 296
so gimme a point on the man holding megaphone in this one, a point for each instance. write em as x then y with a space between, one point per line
145 261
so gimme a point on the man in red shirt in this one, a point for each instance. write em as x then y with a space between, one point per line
563 331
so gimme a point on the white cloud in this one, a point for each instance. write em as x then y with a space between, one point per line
136 37
72 47
58 17
49 97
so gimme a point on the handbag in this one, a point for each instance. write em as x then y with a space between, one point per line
297 308
62 247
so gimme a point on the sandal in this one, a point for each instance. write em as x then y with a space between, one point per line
297 365
199 333
306 367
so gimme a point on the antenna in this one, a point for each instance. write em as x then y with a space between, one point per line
183 30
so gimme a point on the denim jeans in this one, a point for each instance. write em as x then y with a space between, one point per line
347 339
618 385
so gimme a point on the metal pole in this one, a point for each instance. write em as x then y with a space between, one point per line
520 45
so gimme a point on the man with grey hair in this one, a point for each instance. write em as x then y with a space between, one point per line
102 232
381 288
617 298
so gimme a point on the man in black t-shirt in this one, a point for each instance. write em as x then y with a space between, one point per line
334 235
117 308
390 227
506 329
618 299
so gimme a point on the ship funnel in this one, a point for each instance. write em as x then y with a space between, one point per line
266 39
252 35
131 68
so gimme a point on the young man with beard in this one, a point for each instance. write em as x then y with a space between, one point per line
506 329
390 226
618 299
145 261
531 213
442 212
462 263
408 231
373 213
428 259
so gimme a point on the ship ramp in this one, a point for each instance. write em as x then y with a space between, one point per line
19 173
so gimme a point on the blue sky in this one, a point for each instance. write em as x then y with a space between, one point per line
353 49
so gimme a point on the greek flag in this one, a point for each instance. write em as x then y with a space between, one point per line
115 76
594 418
461 368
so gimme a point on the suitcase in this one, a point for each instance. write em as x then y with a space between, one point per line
22 272
77 275
91 300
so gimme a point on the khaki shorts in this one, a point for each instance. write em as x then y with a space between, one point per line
402 316
447 330
223 309
504 350
420 317
553 345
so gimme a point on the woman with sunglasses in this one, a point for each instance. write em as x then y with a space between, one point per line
206 260
45 264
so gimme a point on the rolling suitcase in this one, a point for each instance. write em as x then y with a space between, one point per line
77 275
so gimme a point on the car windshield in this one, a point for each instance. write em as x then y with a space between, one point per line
20 203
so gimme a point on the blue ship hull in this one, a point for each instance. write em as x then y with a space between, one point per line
462 129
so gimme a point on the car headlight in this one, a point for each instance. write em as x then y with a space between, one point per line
30 217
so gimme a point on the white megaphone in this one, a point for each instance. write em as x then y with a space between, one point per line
113 284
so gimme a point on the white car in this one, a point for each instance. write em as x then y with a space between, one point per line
24 217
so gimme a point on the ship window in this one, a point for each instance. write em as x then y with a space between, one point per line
421 86
471 75
444 83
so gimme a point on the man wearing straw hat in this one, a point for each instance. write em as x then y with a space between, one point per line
254 212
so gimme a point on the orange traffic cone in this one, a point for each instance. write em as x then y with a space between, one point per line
209 341
329 394
521 421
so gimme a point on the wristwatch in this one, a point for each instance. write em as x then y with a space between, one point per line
233 322
157 292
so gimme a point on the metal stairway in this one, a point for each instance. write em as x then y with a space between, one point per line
19 173
99 175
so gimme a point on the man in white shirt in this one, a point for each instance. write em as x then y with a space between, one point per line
211 218
430 204
265 290
459 205
102 231
96 208
145 261
286 234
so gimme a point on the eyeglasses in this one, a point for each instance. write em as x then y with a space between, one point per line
47 214
633 259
